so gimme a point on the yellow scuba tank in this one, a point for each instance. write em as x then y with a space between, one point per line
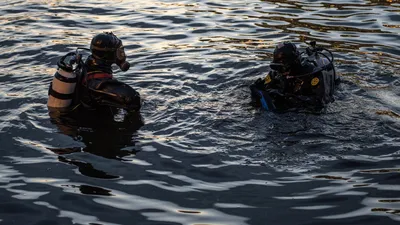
62 88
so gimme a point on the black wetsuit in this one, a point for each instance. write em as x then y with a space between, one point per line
97 89
305 87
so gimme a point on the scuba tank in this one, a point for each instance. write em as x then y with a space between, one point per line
62 88
324 65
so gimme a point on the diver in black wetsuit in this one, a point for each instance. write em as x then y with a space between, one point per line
90 85
296 82
98 87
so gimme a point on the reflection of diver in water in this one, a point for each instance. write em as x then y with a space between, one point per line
109 139
90 86
295 81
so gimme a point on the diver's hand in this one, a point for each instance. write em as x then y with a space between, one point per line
259 84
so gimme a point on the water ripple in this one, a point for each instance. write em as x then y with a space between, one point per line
204 155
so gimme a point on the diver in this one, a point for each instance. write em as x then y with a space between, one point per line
89 84
296 81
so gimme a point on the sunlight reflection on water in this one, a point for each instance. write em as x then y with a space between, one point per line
204 156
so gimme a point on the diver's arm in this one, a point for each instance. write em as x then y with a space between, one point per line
269 82
256 88
260 85
260 92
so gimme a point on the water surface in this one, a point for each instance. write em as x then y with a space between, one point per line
204 155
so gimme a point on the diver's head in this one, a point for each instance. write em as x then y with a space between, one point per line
286 56
108 48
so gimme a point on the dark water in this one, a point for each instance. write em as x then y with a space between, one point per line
204 155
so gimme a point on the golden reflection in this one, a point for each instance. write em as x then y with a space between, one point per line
361 185
178 4
344 16
391 211
18 18
366 6
391 26
339 6
337 46
243 43
330 177
388 113
13 94
189 211
287 2
383 2
374 87
381 171
360 80
349 35
390 200
49 2
210 11
296 23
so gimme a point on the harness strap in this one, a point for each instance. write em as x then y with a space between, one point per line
96 76
65 79
60 95
319 69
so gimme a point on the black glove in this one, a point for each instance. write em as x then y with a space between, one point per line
259 84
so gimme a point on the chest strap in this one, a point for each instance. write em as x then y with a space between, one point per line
96 76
